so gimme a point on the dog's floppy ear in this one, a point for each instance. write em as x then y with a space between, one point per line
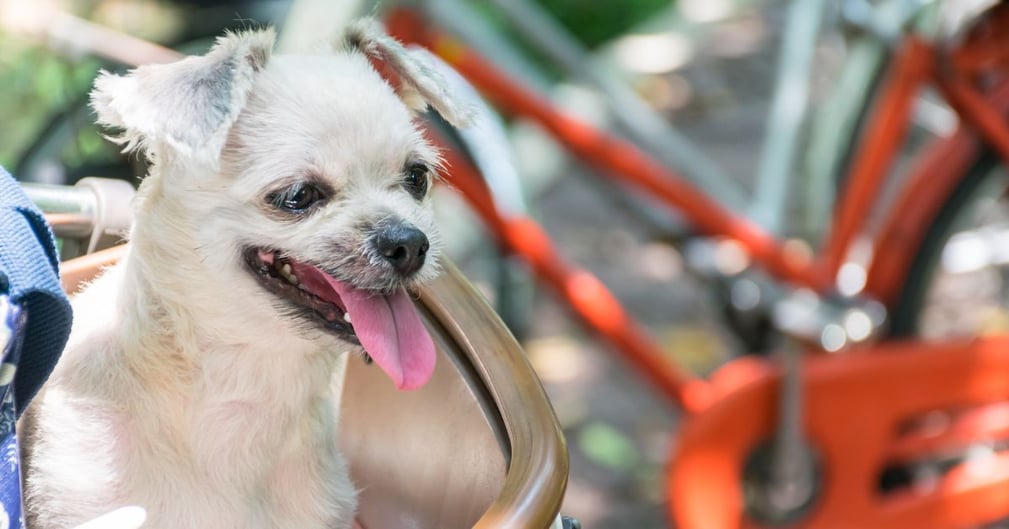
188 105
419 83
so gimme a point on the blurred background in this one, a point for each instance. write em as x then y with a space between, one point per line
706 66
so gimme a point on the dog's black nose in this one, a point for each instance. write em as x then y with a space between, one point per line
403 246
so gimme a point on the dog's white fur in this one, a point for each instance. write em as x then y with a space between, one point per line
184 389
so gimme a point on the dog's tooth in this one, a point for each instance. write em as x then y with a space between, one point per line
286 273
346 317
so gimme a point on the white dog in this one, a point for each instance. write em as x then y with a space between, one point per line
282 224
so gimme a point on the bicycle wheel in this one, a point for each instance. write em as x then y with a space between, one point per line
959 283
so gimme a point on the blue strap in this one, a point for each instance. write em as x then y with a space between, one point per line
29 274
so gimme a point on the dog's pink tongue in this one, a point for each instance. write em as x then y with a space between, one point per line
388 327
391 332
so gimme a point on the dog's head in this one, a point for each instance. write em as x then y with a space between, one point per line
300 182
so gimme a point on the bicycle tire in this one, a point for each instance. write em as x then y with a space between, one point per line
921 279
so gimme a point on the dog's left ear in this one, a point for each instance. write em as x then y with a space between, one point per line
419 83
189 105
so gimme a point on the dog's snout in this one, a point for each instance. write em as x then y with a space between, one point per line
403 246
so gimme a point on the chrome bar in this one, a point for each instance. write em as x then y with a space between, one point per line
62 199
97 212
788 111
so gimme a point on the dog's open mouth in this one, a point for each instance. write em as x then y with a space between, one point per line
385 324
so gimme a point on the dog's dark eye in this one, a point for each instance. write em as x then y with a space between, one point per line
296 198
416 180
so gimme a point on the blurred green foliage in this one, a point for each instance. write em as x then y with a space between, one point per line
36 86
591 23
597 22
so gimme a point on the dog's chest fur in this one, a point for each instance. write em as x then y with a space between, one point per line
241 437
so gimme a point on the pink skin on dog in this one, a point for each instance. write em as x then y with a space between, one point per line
388 326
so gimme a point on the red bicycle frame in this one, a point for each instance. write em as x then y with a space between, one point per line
917 63
858 405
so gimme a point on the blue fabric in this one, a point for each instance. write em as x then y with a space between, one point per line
13 329
29 274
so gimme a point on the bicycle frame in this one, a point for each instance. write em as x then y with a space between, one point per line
917 63
714 444
886 379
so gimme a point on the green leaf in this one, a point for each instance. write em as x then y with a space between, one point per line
608 446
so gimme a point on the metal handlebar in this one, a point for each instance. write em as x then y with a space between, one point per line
94 214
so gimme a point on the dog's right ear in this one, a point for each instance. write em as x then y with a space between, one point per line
186 106
420 84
